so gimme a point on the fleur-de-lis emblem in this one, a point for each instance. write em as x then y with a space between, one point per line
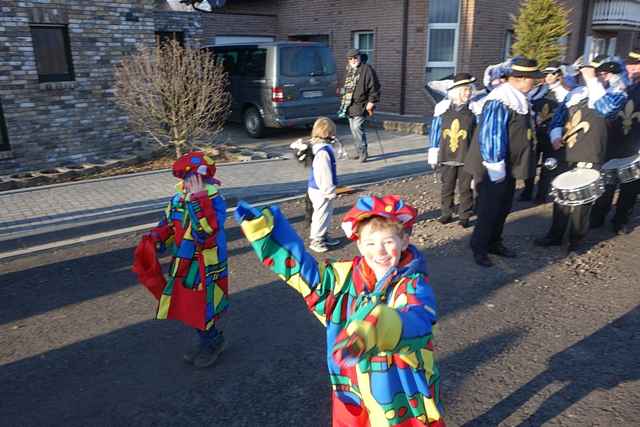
628 115
573 127
455 135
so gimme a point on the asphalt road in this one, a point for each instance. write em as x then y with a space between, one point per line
545 339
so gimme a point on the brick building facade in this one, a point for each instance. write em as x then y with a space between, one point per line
67 114
400 33
60 109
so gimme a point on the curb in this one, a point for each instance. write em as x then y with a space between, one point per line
7 255
123 176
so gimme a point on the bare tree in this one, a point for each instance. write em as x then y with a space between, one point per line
177 95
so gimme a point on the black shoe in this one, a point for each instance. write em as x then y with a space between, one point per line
540 200
445 219
363 156
620 229
547 241
573 246
482 260
192 353
503 251
209 354
525 197
464 223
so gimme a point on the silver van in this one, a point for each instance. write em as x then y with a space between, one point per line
279 84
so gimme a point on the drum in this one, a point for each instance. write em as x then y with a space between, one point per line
609 172
577 187
626 169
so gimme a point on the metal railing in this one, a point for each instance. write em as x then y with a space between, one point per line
614 13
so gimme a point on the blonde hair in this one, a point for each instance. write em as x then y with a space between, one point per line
379 223
323 128
456 94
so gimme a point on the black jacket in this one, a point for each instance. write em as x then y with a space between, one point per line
367 90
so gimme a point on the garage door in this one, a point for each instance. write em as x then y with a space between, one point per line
221 40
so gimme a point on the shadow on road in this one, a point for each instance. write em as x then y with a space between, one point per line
602 361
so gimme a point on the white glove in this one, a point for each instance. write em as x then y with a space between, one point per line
432 156
497 171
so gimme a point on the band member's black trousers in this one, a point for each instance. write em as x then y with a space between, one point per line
624 207
451 175
544 184
572 220
493 206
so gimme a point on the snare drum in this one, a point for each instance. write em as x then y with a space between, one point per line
577 187
626 169
609 172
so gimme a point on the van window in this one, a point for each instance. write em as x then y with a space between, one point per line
299 61
229 62
245 61
255 62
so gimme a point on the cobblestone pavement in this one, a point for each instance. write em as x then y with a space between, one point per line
546 339
47 209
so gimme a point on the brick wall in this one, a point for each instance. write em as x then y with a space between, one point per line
238 24
54 123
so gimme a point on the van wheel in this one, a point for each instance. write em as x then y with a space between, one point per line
253 122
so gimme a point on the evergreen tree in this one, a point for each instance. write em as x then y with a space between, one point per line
538 28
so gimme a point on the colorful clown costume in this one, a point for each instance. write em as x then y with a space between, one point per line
393 380
193 229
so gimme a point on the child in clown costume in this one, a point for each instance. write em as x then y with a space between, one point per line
378 310
193 229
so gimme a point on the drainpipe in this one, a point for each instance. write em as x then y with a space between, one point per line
403 59
586 11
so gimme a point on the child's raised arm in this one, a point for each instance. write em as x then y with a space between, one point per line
278 247
203 209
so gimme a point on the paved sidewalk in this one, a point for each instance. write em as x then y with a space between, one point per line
52 209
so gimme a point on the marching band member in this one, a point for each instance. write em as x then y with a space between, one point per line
580 125
502 152
451 131
624 141
543 104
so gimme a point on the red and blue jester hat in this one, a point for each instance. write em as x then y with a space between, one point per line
195 162
390 206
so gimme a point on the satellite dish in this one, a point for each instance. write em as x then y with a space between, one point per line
204 6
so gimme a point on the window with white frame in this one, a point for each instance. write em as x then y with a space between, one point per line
442 38
364 42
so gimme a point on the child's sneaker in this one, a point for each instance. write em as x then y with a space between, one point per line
209 354
318 246
191 354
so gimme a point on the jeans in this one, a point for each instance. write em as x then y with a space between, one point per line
358 126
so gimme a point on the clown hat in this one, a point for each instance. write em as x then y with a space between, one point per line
195 162
390 207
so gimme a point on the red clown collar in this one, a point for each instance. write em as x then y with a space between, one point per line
391 207
196 162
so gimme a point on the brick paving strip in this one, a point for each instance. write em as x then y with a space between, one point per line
40 210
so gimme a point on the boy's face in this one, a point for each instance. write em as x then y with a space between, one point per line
381 248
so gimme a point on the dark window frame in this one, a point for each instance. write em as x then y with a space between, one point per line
162 36
4 137
63 77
